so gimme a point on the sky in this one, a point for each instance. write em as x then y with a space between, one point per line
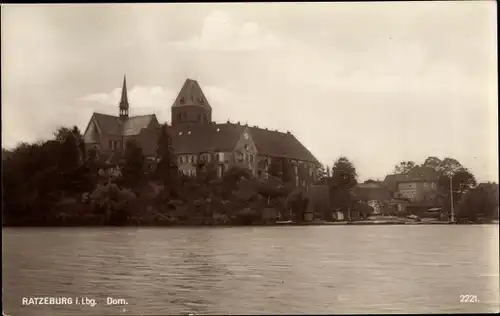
378 83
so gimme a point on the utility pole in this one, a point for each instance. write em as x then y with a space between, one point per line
451 200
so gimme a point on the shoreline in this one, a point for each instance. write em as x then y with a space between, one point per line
284 224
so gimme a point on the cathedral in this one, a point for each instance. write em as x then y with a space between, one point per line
196 138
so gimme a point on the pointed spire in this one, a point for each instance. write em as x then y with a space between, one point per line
124 99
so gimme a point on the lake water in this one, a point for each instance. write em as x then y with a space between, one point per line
253 270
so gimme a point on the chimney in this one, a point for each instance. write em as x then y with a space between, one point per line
238 122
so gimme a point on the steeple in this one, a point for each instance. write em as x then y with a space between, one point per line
124 100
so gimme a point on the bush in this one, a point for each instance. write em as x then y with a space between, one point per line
112 202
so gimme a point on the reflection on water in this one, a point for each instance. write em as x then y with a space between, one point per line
278 270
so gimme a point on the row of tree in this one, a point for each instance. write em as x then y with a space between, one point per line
456 183
470 201
38 176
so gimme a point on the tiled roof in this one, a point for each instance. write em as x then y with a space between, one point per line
191 94
415 174
133 125
108 124
194 138
391 181
113 125
278 144
219 137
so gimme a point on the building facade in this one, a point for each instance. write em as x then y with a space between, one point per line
418 186
198 141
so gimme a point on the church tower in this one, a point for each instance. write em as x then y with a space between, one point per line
124 100
191 105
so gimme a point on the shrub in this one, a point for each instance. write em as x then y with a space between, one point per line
112 202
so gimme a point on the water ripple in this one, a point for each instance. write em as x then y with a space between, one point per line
248 270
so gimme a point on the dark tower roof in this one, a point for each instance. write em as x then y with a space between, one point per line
124 98
191 94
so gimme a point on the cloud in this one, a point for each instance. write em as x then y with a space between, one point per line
388 82
227 104
221 33
141 98
158 100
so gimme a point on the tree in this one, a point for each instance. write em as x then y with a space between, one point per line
6 154
432 162
70 156
32 182
321 174
343 179
481 201
167 169
72 135
404 167
61 133
113 203
450 166
462 181
80 142
134 162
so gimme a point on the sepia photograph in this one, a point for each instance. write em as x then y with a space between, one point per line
271 158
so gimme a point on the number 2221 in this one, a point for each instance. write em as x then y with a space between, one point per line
468 299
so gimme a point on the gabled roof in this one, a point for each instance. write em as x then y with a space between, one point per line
415 174
221 137
195 138
107 124
278 144
191 94
391 181
113 125
133 125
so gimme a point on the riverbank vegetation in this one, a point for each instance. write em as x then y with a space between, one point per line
58 182
471 202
